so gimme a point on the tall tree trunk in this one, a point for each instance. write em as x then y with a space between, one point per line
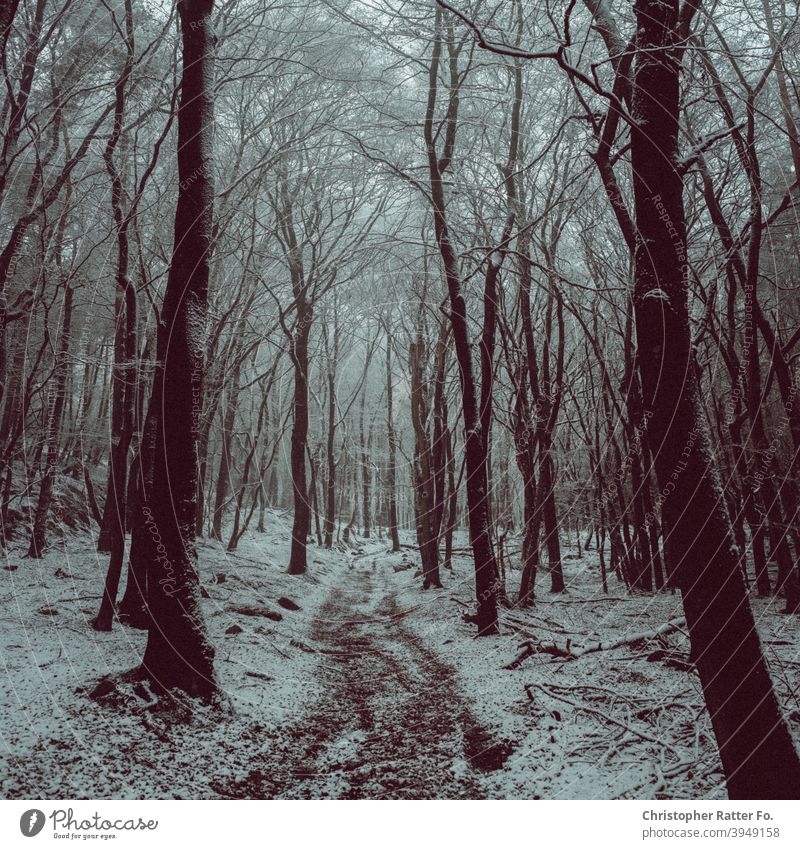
366 472
330 458
475 444
452 493
422 471
550 518
301 526
125 350
757 752
391 467
313 464
262 428
133 608
211 399
55 415
225 460
525 444
179 653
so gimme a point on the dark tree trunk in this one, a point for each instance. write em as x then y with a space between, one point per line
239 528
262 428
125 349
313 464
226 460
211 399
132 609
179 653
525 450
475 440
550 520
553 387
301 526
756 749
452 493
330 457
366 473
440 434
391 468
55 415
425 506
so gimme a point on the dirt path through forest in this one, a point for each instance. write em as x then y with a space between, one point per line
391 722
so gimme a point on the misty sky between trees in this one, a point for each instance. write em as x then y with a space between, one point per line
399 399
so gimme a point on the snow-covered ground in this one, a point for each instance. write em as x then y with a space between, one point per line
622 723
371 689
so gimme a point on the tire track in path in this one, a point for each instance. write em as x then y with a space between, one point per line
390 723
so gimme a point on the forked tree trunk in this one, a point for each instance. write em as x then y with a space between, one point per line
179 653
757 752
239 528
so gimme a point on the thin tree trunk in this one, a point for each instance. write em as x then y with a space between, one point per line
391 469
366 472
56 412
330 457
225 461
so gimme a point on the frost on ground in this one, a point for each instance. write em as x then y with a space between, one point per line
352 682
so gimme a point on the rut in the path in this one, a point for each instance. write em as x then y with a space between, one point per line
390 724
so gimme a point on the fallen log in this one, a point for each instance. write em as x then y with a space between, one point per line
572 652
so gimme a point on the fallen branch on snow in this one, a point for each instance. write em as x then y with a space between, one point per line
602 715
571 652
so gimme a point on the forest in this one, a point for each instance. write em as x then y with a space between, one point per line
398 399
